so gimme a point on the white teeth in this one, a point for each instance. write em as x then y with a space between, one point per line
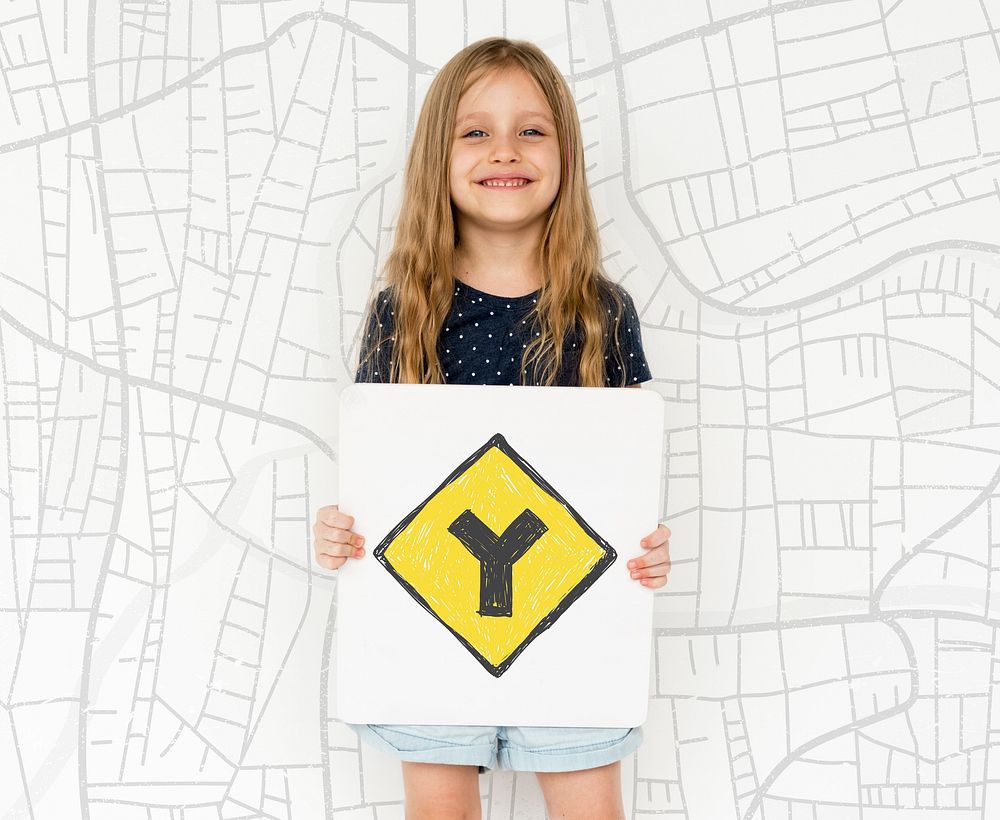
493 183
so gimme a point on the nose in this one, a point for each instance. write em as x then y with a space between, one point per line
504 149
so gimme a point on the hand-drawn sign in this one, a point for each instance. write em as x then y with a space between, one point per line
495 554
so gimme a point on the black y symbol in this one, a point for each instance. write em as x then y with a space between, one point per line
497 555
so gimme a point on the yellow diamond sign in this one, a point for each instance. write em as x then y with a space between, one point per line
495 554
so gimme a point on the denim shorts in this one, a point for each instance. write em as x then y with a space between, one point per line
522 748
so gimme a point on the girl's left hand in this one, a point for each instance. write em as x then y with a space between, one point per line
651 569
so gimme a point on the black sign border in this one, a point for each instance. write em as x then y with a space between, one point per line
609 557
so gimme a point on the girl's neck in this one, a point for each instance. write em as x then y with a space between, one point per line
499 268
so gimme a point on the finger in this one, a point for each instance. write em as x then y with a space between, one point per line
332 534
658 536
655 571
656 555
327 512
330 562
337 535
333 517
653 583
342 550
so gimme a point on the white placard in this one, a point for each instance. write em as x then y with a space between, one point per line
422 633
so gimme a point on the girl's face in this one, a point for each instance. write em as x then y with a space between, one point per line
504 128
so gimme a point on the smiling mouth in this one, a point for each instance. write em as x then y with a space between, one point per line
505 183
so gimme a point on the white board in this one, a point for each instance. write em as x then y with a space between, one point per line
432 629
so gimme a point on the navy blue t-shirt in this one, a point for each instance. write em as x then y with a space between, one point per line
484 336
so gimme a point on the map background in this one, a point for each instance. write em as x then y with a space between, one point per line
801 198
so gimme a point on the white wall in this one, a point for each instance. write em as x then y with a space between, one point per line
802 198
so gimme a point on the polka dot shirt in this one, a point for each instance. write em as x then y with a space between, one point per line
485 335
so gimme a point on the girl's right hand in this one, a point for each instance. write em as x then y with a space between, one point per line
334 540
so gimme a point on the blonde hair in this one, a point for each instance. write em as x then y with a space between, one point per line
419 270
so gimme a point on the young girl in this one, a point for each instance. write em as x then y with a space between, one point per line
495 278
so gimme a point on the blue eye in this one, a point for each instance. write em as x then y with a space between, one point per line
480 131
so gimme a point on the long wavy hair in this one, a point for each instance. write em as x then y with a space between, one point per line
419 269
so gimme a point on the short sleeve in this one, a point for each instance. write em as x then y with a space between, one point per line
379 326
631 360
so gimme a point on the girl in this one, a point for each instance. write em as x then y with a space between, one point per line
495 278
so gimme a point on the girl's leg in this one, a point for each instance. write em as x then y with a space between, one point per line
589 794
440 791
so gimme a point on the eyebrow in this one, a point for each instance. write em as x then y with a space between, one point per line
477 114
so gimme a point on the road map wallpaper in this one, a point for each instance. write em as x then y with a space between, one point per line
802 198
